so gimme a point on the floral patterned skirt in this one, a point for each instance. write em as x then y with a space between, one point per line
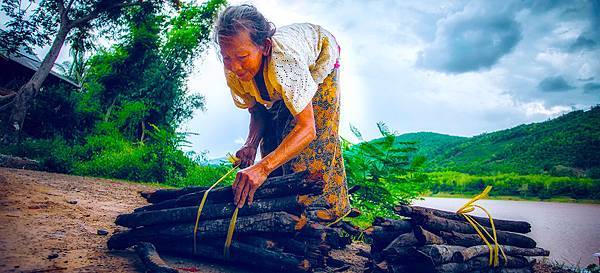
323 156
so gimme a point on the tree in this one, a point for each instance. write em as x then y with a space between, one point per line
142 80
50 18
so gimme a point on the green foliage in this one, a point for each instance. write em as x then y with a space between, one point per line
385 169
32 24
52 153
512 184
108 154
566 146
122 123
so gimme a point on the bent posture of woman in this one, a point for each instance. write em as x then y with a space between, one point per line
288 80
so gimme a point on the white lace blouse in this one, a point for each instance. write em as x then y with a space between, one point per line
301 58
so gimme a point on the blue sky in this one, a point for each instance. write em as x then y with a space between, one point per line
459 67
453 67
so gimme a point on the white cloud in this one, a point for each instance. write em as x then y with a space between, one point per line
381 41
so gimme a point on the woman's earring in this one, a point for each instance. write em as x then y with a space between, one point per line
267 47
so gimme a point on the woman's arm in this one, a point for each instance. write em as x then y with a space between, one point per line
247 153
248 180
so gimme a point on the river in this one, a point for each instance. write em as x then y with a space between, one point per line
570 231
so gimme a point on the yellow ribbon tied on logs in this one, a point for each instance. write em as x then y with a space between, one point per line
232 159
495 249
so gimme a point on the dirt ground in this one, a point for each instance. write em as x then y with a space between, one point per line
49 223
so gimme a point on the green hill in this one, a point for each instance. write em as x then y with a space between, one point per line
567 145
430 143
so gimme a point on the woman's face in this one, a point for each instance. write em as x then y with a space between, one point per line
241 56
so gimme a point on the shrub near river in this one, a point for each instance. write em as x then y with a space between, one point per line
511 184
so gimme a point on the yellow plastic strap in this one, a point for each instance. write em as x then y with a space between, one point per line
231 159
494 249
339 219
230 233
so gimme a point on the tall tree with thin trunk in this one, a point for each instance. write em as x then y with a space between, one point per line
35 27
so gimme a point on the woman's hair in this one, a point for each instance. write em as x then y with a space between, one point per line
234 19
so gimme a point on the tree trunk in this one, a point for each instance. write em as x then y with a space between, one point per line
151 260
30 89
381 237
265 223
504 238
241 253
288 204
437 224
506 225
427 238
481 263
440 254
273 187
348 227
480 250
526 269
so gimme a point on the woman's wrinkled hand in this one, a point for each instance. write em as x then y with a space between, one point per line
246 183
246 156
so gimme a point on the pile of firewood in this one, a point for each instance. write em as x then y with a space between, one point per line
433 240
275 233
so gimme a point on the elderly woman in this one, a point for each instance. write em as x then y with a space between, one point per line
287 78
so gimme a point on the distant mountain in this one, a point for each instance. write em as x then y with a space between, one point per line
567 145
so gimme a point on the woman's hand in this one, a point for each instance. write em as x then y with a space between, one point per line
246 156
246 183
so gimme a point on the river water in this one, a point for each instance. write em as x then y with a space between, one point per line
570 231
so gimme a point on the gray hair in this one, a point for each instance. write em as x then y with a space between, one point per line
243 17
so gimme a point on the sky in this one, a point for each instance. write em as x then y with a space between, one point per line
452 67
459 67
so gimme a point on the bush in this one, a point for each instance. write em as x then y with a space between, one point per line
387 172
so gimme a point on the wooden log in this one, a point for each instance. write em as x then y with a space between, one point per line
506 225
264 223
440 254
242 254
151 260
331 236
438 224
427 238
393 224
278 188
504 238
399 255
400 248
526 269
384 231
288 204
336 265
348 227
403 240
480 250
481 263
380 237
166 194
286 244
404 246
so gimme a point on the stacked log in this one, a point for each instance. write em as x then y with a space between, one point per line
430 240
275 233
